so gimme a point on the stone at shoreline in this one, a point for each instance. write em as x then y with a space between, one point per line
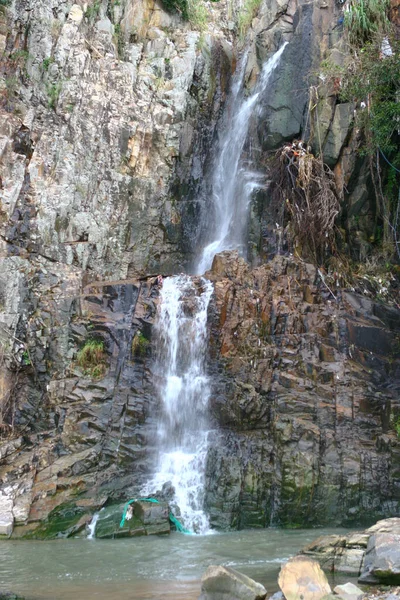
6 516
10 596
348 591
382 559
223 583
146 519
355 553
302 578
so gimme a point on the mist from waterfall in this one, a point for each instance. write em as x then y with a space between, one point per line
232 180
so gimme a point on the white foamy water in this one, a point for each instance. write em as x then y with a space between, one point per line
92 526
181 341
232 181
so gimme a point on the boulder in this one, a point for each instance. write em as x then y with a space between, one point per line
382 559
144 519
302 578
6 516
348 591
223 583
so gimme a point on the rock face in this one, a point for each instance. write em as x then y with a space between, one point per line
223 583
303 579
109 112
304 396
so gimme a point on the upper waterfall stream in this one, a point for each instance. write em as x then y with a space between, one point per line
232 181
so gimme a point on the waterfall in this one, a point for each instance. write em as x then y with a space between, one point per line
183 387
232 182
181 326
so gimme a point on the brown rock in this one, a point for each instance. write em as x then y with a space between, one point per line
303 579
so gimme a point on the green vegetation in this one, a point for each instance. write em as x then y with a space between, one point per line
194 11
396 425
247 13
198 14
92 357
119 41
47 62
177 6
53 92
93 11
26 361
19 57
5 2
374 80
12 84
365 18
140 345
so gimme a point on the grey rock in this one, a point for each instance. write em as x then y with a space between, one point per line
382 559
224 583
348 591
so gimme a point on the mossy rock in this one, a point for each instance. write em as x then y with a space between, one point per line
147 519
107 525
64 521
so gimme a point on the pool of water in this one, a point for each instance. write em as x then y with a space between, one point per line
147 568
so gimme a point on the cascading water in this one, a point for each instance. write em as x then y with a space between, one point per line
232 182
181 328
181 339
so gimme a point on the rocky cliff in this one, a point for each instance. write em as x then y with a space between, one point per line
109 114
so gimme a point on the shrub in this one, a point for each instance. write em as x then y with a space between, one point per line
374 80
92 12
247 13
364 18
177 6
91 358
53 92
139 344
47 62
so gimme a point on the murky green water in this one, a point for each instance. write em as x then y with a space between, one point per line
150 568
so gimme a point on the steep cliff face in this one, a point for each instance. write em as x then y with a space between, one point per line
98 101
109 124
306 390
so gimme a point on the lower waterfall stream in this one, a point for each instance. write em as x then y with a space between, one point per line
181 340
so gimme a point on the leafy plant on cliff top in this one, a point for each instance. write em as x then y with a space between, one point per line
372 81
365 18
177 6
246 14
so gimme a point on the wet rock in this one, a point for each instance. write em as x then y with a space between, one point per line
143 518
382 559
6 516
303 579
291 440
223 583
361 553
348 591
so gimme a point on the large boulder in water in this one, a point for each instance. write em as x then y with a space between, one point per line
223 583
143 518
302 578
382 558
